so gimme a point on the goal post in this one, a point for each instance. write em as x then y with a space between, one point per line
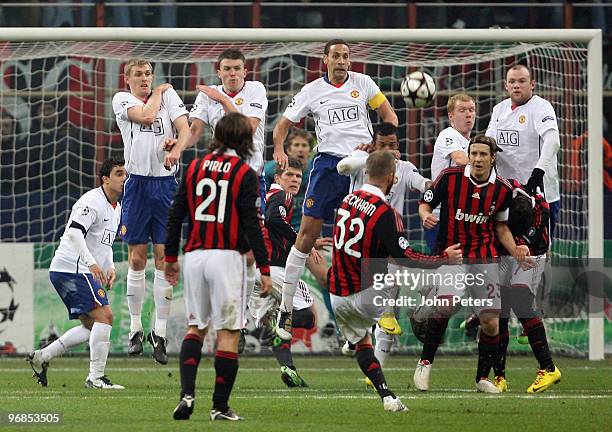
462 57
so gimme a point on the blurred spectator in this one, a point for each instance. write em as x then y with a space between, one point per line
57 16
136 16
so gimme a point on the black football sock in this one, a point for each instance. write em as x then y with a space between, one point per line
226 369
189 359
372 369
488 347
433 338
499 366
536 333
282 352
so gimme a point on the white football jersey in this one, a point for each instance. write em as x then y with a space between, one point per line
518 133
143 145
96 214
407 177
448 141
340 113
251 101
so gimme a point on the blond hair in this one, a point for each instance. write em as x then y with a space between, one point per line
135 62
459 97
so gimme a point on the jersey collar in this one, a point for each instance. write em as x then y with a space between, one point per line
230 152
326 79
233 95
275 186
513 107
468 171
373 190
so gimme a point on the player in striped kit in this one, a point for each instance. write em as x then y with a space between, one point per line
339 103
279 240
147 117
367 227
474 205
407 177
82 270
219 195
528 221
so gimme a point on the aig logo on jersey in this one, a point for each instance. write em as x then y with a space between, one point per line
108 237
343 114
508 137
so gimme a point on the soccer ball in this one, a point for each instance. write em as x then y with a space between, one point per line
418 89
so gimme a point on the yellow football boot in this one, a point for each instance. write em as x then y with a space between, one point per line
544 380
389 324
501 383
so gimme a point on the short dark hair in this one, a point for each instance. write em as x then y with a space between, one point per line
108 165
291 163
385 129
521 66
335 42
483 139
231 54
520 215
379 164
233 131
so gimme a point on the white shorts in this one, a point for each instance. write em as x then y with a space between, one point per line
477 284
357 313
260 306
215 288
511 274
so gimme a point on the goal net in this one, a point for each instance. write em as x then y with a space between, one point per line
58 125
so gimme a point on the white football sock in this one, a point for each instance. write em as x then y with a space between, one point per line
384 342
393 292
99 344
162 293
294 267
75 336
135 296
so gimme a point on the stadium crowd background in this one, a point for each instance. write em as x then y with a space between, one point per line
30 173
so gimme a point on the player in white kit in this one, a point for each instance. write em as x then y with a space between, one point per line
234 94
82 270
450 148
147 117
525 127
339 103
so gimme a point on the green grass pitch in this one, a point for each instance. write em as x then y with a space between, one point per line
337 399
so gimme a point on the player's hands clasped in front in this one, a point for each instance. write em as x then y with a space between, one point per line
171 272
266 286
455 256
98 274
430 221
521 254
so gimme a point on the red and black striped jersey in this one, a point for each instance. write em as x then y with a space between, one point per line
468 211
280 234
536 237
368 227
220 194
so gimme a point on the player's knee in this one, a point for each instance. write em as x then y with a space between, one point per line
303 318
489 323
137 257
